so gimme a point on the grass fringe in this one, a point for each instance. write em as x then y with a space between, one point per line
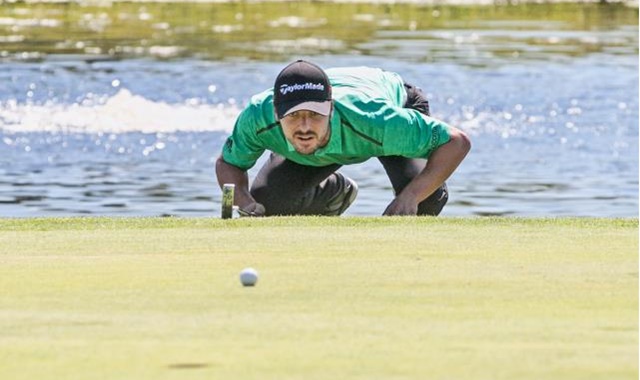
114 223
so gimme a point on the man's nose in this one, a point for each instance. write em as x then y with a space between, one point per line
305 123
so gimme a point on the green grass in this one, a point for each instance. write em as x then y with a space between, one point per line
338 298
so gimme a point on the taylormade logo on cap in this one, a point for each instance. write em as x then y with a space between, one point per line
288 88
302 85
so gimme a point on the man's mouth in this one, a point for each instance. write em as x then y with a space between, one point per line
305 143
308 137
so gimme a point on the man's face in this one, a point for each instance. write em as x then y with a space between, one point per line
306 130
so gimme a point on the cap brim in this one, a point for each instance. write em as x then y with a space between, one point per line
323 108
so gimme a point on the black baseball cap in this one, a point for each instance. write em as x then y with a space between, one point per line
302 85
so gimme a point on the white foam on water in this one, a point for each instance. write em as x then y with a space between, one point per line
120 113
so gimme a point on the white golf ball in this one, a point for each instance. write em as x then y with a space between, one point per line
248 277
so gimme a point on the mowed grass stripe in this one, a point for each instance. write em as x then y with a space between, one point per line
347 298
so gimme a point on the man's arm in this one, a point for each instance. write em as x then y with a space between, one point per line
441 164
228 173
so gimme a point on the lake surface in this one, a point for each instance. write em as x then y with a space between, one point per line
122 109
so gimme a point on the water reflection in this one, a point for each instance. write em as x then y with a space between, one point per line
179 180
472 35
96 181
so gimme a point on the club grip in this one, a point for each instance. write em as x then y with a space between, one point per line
228 190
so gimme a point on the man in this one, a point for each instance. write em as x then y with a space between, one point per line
313 122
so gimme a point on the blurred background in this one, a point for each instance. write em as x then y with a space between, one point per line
121 108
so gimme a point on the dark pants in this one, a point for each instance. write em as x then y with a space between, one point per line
287 188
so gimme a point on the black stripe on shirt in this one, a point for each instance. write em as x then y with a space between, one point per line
267 128
357 132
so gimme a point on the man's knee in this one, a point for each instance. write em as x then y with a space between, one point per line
330 198
434 204
344 193
416 99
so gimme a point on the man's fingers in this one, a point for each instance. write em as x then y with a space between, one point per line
253 209
400 208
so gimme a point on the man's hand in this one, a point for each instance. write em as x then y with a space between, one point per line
227 173
252 209
440 166
401 206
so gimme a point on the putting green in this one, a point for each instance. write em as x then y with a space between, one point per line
337 298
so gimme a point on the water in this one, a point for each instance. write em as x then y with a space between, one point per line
122 110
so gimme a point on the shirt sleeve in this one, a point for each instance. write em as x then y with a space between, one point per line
243 148
409 133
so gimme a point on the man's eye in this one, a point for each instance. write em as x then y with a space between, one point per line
300 114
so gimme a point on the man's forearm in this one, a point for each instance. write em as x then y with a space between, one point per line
227 173
442 163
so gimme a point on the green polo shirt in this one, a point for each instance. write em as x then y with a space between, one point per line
368 121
